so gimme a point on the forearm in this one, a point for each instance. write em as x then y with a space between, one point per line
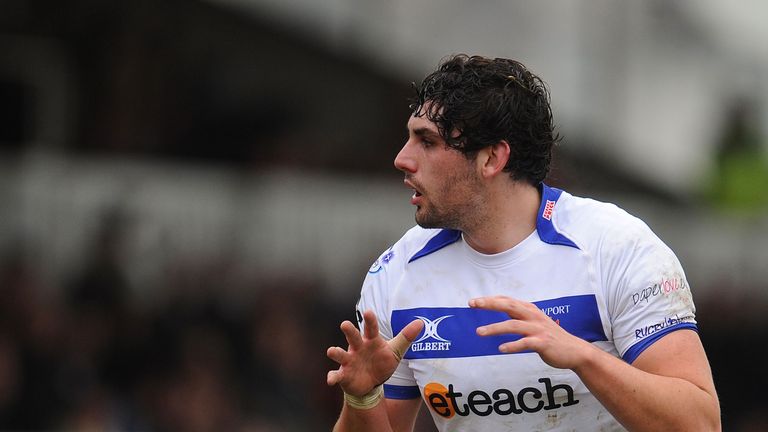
644 401
370 420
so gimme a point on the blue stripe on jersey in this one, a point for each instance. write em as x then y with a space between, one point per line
439 241
450 332
401 392
635 350
544 225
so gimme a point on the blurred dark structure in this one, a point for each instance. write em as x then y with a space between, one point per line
188 82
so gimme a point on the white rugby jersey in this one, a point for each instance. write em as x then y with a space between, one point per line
599 272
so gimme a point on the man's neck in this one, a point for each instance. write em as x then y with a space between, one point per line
510 218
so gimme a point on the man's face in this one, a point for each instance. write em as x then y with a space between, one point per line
447 188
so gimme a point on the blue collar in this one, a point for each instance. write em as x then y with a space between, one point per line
544 227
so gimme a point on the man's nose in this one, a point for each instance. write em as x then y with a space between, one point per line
404 160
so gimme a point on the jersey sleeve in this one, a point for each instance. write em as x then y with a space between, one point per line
647 291
375 295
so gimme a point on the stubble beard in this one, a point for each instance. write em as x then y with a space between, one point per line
461 206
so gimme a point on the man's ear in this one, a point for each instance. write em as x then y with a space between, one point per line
493 159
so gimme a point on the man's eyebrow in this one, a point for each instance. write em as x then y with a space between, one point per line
426 132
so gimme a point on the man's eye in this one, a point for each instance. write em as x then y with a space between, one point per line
426 143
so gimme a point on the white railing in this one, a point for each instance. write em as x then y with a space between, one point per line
317 227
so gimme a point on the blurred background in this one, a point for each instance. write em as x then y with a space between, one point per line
191 191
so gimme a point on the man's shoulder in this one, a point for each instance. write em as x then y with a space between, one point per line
418 241
417 234
574 206
415 241
589 221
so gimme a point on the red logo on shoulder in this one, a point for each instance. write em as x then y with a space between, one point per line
548 208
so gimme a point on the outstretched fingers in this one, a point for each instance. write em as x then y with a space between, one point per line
512 326
339 355
524 344
352 335
512 307
525 322
368 360
371 330
412 330
334 377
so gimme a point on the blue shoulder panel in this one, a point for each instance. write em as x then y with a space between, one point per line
439 241
544 225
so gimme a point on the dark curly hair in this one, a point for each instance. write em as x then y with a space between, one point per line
486 101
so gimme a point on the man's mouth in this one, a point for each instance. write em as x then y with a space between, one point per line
410 185
416 193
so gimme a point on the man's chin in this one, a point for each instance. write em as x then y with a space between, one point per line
425 221
425 225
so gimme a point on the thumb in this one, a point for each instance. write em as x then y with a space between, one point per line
402 341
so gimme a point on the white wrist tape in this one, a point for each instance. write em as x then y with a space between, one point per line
366 401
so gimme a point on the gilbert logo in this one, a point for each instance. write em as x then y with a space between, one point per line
548 209
430 332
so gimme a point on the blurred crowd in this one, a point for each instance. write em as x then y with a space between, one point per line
86 356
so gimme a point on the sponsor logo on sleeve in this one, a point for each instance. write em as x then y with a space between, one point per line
645 331
387 257
663 288
381 261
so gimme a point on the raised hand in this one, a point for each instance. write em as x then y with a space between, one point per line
540 333
369 360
